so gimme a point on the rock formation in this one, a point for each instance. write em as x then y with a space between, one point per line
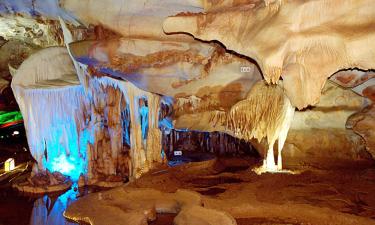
125 91
122 79
303 42
138 206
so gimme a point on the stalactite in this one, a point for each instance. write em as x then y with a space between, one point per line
53 104
257 117
142 156
154 133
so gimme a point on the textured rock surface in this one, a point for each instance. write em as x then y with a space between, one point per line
134 18
31 31
313 197
131 206
304 42
363 123
318 136
112 94
255 118
77 129
201 216
188 72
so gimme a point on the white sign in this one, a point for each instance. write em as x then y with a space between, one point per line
177 152
246 69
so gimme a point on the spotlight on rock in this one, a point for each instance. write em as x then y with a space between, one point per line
9 165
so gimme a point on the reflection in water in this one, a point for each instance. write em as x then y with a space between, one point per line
49 210
19 209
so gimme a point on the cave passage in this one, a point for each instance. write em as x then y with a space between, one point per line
196 146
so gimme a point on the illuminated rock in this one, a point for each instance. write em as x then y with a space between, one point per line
257 118
134 18
302 42
77 129
317 127
199 215
9 165
50 99
44 182
363 123
30 31
318 136
110 104
132 206
111 98
172 68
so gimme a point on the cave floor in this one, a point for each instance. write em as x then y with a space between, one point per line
312 196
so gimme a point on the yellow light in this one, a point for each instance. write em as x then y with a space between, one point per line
263 169
9 165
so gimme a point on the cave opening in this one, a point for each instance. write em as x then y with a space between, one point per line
183 146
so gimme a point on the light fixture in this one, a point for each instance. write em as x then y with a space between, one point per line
16 132
9 165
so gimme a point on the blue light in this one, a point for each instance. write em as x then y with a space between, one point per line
143 111
166 125
125 117
63 165
66 150
66 143
49 211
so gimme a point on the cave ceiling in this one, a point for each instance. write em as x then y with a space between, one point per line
154 46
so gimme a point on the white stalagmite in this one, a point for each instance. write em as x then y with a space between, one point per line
265 113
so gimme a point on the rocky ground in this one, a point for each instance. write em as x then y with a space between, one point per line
230 190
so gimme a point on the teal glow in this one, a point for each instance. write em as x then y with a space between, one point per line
7 117
63 165
67 148
69 160
144 121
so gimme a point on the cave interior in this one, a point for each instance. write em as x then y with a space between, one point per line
194 112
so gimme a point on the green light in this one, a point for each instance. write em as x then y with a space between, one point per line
7 117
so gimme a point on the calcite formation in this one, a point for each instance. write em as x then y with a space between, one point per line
124 82
31 31
310 136
48 78
363 123
134 18
255 118
177 69
125 91
83 132
303 42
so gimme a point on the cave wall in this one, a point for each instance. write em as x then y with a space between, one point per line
138 52
319 137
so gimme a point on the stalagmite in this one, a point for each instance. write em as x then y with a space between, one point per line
265 113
